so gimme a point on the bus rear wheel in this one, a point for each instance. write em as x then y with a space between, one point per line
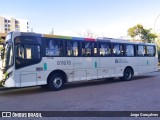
127 75
56 82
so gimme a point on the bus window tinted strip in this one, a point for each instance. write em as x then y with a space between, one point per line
31 34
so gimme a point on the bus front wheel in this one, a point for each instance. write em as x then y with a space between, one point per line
127 75
56 82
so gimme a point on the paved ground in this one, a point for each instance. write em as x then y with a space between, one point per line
140 94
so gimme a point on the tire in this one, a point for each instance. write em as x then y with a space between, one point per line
56 82
127 75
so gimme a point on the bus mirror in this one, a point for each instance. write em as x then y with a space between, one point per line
21 51
2 54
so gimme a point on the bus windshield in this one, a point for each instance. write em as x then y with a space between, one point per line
8 53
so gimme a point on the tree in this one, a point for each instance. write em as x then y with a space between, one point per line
138 31
1 40
88 34
158 46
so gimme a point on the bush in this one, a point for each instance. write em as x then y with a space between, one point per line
1 84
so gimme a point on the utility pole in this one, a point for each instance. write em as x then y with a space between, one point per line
31 29
52 31
155 23
155 27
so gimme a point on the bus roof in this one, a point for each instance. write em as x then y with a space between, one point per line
56 36
115 40
102 39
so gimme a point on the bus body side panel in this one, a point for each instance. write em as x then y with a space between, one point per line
122 62
156 63
31 75
119 68
143 62
85 68
106 67
151 64
64 64
129 62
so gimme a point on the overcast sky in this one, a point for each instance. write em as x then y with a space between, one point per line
110 18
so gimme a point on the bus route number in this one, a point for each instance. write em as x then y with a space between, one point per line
64 62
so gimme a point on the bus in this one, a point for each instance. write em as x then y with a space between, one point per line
32 59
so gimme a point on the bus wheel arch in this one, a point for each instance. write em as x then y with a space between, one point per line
129 67
127 73
56 80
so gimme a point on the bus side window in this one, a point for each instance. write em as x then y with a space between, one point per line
105 49
32 52
121 49
150 51
102 49
20 51
72 48
69 48
53 48
95 50
27 51
75 49
116 49
129 50
86 48
141 50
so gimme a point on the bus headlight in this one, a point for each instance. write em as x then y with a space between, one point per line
9 75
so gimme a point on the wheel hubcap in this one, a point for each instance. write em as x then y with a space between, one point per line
128 75
57 82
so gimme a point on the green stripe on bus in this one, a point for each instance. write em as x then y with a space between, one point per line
45 66
65 37
95 64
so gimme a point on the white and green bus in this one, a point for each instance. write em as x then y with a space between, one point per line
32 59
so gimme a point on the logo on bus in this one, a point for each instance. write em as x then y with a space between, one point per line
64 62
121 61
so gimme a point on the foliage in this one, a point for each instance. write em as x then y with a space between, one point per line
1 84
88 34
142 33
158 48
1 40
